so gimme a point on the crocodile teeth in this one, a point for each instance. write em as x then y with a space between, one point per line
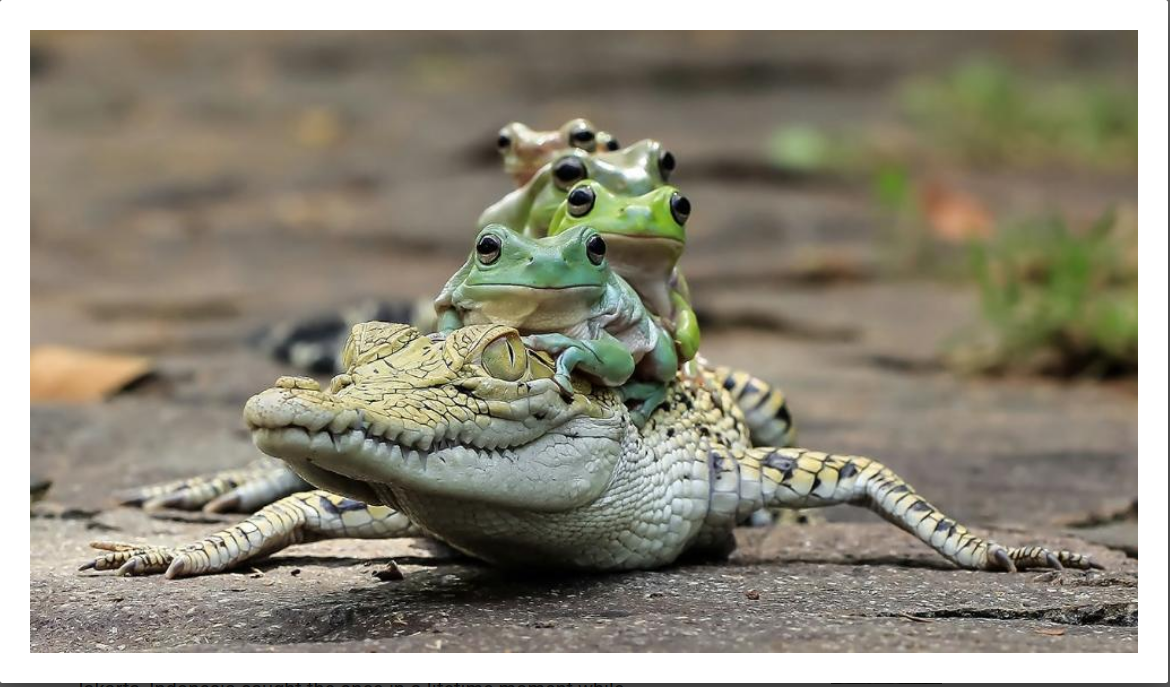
321 442
349 442
344 420
312 419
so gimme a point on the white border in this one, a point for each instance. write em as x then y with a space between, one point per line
1148 16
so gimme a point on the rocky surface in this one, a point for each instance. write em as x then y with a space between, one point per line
189 189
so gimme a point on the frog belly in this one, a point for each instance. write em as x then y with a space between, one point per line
647 263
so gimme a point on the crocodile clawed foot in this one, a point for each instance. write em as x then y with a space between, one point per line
239 490
188 494
230 502
1014 559
182 499
131 559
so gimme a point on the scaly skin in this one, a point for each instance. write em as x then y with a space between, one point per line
764 408
446 435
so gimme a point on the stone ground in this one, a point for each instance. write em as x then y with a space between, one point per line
189 189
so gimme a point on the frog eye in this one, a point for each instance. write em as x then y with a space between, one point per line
666 164
567 171
595 249
581 201
612 144
583 138
488 249
505 358
504 141
680 208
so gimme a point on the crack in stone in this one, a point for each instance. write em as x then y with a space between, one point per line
1111 614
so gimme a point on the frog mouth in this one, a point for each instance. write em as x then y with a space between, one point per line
666 242
643 254
565 287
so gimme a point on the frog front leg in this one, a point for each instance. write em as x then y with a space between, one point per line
605 359
448 316
655 370
449 321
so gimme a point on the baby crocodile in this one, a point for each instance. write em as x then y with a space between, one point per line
466 438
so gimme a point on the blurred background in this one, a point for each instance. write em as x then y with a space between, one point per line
928 239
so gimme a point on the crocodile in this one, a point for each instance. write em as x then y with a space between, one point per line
764 407
467 439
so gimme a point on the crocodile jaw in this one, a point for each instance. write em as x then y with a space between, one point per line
510 463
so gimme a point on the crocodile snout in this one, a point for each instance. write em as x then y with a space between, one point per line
310 409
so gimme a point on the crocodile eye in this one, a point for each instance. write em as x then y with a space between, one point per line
581 201
613 144
666 164
488 249
680 208
595 249
504 141
505 358
567 171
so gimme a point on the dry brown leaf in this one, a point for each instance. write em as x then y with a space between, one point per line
955 216
1050 631
60 373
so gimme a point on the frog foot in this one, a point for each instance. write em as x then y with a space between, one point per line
568 354
642 399
565 383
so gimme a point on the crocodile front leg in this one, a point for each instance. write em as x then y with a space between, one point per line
796 478
240 490
308 516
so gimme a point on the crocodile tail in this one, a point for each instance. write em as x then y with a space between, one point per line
764 407
313 344
798 478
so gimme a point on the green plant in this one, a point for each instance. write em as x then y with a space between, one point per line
1055 301
988 113
812 150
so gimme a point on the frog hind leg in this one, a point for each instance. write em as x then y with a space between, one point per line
642 399
686 326
448 321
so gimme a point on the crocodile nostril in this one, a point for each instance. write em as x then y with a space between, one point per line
340 382
302 383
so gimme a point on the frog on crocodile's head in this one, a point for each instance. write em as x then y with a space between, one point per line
560 291
529 284
635 170
646 236
525 150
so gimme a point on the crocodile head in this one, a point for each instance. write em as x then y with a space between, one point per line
473 417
